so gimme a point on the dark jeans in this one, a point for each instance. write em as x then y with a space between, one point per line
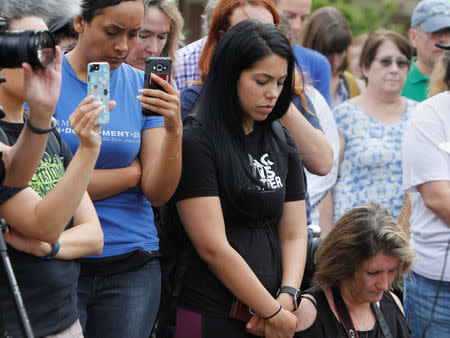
121 305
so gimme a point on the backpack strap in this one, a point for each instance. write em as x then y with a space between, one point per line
55 139
279 131
3 137
352 88
384 326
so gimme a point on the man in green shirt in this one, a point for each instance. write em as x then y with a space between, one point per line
430 24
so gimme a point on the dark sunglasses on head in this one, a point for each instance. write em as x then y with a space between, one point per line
387 62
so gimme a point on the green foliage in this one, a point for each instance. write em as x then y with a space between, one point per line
364 16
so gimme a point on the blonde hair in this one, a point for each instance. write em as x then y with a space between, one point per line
361 233
175 38
439 79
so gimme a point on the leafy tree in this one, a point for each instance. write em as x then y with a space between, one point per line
365 16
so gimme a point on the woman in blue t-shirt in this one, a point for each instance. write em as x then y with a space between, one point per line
139 166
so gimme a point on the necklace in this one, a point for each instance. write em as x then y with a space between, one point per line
364 333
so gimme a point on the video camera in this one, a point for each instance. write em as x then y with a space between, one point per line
34 47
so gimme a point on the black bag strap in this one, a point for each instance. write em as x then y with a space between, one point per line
343 315
384 327
279 131
55 138
3 137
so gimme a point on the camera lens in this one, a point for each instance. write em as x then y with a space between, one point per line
159 67
94 67
35 47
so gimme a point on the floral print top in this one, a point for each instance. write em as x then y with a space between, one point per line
371 168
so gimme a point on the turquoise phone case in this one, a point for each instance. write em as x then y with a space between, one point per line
98 85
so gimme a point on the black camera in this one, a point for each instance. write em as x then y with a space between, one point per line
34 47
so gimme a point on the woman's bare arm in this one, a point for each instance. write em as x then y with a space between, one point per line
316 151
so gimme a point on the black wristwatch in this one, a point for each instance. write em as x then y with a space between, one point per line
295 293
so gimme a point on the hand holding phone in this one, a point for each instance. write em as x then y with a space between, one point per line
160 66
98 86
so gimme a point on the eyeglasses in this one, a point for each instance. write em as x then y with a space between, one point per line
387 61
68 48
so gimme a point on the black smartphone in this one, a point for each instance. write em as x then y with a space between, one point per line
160 66
240 311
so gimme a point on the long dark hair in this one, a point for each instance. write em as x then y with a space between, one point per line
327 31
219 109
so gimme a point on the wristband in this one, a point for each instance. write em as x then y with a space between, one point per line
40 131
55 250
274 314
295 293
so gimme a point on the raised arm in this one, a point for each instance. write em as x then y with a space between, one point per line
110 182
316 151
203 221
46 218
161 147
327 207
41 93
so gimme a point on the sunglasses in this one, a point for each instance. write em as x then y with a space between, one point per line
387 61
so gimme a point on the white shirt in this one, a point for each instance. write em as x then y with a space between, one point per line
424 162
318 186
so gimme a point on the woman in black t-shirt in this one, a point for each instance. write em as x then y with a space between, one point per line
241 193
357 263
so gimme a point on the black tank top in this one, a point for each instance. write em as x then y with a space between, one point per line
327 325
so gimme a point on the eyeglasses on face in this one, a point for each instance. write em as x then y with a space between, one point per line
387 61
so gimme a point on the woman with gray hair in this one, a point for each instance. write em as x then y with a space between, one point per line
358 262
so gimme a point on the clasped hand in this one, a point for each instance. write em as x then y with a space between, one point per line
280 326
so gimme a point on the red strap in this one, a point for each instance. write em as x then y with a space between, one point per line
337 298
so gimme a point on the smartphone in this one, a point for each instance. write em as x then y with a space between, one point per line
98 85
240 311
161 67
